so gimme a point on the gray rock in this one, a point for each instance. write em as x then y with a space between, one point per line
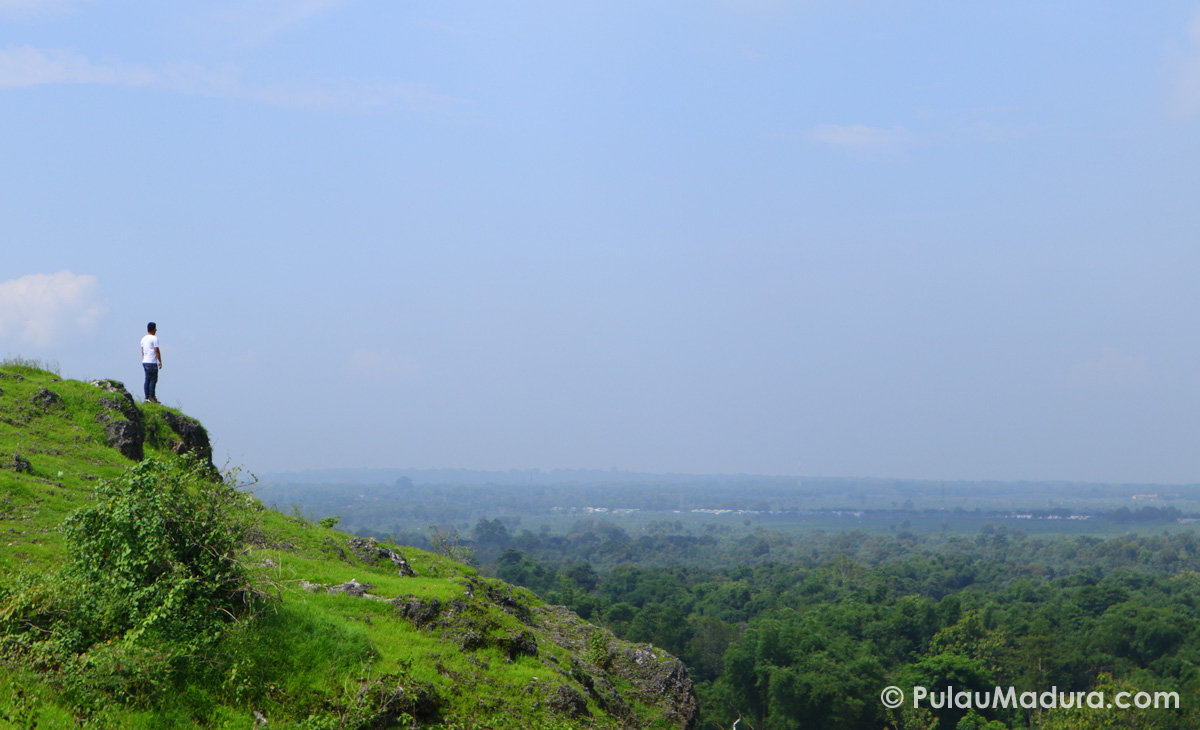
522 643
20 464
421 613
193 438
409 696
646 675
122 420
662 676
567 701
351 588
338 549
47 398
371 553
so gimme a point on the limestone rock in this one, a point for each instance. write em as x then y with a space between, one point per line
122 420
352 588
193 438
421 613
19 464
652 677
371 553
567 701
47 398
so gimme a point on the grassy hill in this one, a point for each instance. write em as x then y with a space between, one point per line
140 588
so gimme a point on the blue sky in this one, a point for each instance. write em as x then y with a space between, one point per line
935 240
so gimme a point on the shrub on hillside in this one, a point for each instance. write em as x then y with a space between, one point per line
151 584
159 549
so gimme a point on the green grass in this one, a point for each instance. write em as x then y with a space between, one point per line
305 660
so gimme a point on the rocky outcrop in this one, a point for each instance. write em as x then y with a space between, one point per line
370 552
127 430
421 613
19 464
568 702
654 677
398 697
193 438
123 426
47 398
660 676
615 674
350 588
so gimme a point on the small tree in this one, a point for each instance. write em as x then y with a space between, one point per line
151 583
158 551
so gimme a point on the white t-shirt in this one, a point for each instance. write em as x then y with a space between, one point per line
149 343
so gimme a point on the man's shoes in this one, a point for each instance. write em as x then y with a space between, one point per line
152 399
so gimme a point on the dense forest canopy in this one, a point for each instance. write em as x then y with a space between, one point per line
794 606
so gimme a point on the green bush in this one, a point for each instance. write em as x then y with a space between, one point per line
158 550
151 584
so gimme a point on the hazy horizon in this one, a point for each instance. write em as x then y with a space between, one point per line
559 476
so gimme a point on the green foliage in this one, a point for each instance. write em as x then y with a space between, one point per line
158 551
151 584
299 516
1108 718
329 522
444 541
490 534
771 642
974 721
598 651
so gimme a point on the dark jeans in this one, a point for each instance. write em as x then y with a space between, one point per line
151 378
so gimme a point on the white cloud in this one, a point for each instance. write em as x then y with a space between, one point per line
860 136
1185 92
27 7
26 66
43 309
258 20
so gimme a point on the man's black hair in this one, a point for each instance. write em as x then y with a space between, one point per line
151 327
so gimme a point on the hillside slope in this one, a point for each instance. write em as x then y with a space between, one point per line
330 631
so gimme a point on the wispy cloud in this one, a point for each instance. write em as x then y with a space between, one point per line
42 309
1185 92
861 137
29 7
28 66
256 21
25 66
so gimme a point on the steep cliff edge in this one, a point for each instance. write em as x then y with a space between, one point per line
332 631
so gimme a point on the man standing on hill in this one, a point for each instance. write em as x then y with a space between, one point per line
151 361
